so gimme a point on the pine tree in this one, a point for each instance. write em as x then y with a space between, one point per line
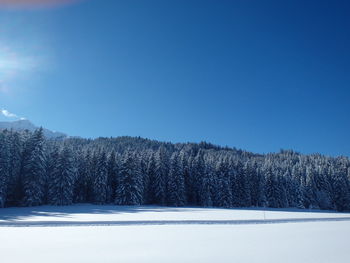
310 188
14 182
100 184
150 190
281 194
240 185
244 181
207 188
341 193
185 160
143 164
34 170
271 189
196 175
160 176
51 172
129 189
82 182
176 183
112 174
62 179
92 174
4 167
223 193
257 187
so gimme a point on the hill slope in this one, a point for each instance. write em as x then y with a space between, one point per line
22 125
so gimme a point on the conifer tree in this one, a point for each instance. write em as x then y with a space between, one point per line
176 183
185 160
197 172
112 175
207 188
51 172
129 189
241 188
150 196
34 170
15 157
4 167
160 176
223 190
341 193
62 179
100 183
271 189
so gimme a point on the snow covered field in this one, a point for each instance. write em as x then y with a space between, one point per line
88 233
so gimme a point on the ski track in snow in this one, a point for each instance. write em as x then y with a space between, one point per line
167 222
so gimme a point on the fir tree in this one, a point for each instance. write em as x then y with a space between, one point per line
207 189
341 193
176 183
100 183
160 176
15 157
129 189
271 189
112 175
34 170
62 179
4 168
150 196
223 194
196 175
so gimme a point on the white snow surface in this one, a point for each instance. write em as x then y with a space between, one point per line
163 234
112 213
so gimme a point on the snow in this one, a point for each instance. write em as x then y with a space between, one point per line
24 124
254 241
112 213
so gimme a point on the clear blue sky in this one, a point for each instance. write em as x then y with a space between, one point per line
257 75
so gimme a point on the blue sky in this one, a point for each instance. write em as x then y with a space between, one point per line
257 75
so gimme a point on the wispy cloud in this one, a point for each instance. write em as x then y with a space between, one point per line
10 115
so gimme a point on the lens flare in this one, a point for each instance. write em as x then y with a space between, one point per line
13 66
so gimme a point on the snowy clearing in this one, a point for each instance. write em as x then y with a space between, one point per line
108 214
158 234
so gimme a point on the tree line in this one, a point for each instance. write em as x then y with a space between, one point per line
133 171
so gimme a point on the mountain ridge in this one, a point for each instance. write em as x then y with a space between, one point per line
22 125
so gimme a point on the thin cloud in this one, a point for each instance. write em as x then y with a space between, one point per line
8 114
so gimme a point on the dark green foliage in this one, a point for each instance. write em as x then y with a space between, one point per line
33 171
61 183
100 183
134 171
176 182
129 190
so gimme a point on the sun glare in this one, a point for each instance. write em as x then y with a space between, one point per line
13 65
